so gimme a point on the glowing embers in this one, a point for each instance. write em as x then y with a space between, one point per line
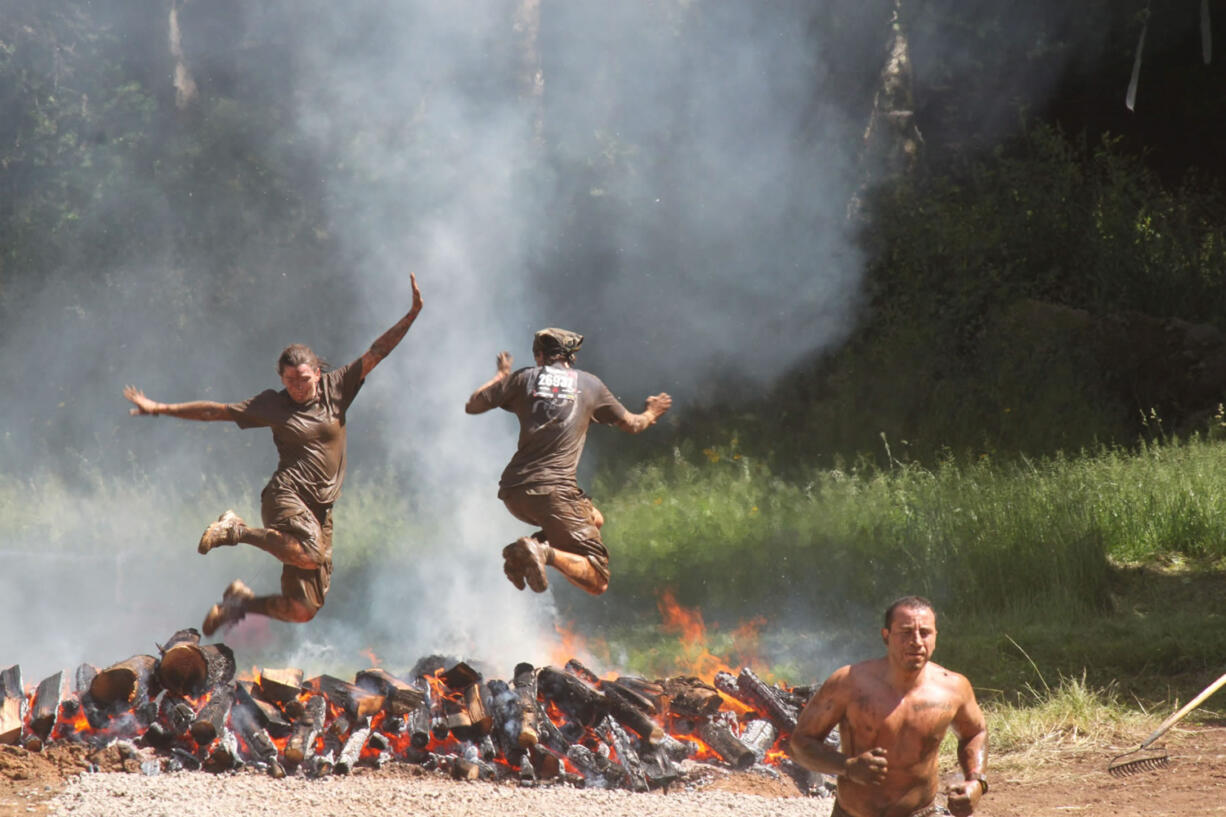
187 709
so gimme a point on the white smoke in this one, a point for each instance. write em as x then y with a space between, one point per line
676 194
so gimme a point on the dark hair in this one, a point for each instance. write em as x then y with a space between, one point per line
295 355
908 603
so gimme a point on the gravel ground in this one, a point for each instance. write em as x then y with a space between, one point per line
254 795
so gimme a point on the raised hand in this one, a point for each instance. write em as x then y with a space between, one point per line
143 404
504 363
658 404
416 294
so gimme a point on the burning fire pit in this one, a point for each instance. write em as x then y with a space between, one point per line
187 709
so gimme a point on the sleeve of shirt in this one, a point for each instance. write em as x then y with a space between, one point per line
606 409
254 412
499 394
347 382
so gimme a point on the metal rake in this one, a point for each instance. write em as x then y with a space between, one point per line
1140 760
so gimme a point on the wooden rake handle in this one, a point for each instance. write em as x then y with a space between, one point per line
1188 707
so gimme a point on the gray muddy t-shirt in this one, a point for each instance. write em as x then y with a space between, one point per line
555 405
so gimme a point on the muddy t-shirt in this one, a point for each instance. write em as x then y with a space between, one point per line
310 437
555 405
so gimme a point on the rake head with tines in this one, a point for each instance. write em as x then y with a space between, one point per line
1137 761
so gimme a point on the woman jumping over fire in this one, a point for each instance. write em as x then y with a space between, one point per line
307 419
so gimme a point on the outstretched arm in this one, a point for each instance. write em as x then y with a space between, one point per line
475 406
382 347
657 405
197 410
972 731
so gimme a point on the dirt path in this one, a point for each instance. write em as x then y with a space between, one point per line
1193 784
48 786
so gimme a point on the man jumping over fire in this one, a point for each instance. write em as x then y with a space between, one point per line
892 714
307 419
555 404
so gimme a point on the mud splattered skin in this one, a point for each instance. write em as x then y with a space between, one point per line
892 714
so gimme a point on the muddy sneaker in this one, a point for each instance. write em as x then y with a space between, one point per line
528 557
233 607
238 590
220 615
225 531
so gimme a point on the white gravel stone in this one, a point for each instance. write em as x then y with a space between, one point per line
196 794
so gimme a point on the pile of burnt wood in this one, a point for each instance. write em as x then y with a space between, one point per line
186 708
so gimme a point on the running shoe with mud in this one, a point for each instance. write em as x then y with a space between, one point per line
233 607
528 556
222 533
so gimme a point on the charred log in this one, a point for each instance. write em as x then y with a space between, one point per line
650 692
267 715
130 682
692 697
460 676
613 734
400 697
182 668
473 722
417 724
631 692
768 700
525 687
45 710
319 765
211 718
598 772
623 705
760 735
507 716
577 669
12 706
222 668
354 700
301 744
351 751
676 749
728 746
580 702
280 685
660 769
224 755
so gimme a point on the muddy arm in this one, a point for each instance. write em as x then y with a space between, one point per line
386 342
205 410
475 404
657 406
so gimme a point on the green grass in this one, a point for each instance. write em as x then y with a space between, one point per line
1109 566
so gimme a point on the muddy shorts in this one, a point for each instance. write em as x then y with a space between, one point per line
283 510
567 519
927 811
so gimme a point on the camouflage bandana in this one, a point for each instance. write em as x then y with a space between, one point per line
553 341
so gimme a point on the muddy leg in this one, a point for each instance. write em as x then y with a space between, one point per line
284 546
577 570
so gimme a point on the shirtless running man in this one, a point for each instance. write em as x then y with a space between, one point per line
892 714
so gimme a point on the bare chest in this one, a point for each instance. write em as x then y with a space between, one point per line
911 726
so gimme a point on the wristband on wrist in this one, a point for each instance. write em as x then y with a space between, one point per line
983 782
